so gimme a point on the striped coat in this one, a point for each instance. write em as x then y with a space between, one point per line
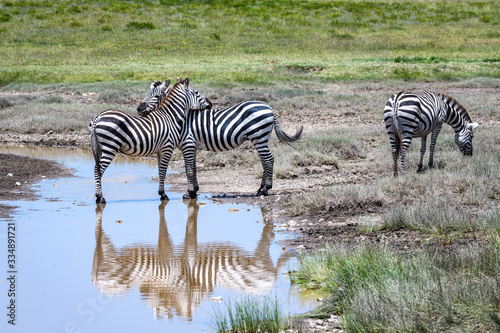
226 129
114 131
409 115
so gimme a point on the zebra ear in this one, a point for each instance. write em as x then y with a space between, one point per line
155 84
186 82
178 79
472 125
167 82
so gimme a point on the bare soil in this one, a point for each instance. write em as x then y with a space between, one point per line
18 173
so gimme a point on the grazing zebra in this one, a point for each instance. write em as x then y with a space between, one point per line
225 129
409 115
177 278
114 131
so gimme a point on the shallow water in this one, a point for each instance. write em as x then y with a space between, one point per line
134 264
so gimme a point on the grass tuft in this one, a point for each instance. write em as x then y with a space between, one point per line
250 315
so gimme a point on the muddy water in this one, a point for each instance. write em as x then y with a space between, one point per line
134 265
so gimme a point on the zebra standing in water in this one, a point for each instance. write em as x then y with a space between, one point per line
227 128
409 115
114 131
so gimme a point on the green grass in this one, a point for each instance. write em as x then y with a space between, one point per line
249 315
377 289
259 42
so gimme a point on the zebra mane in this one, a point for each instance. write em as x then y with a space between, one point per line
170 92
456 106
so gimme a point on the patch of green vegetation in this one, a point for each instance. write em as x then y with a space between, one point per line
255 44
379 289
141 25
250 314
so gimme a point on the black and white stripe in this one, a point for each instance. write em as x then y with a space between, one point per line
114 131
227 128
409 115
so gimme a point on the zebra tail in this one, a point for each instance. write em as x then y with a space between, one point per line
282 136
96 146
396 128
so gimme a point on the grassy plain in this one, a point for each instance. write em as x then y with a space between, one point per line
327 65
247 42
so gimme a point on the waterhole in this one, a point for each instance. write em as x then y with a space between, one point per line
135 264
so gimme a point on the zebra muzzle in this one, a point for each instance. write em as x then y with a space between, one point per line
141 108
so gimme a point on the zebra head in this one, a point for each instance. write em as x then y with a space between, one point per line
153 97
463 139
196 101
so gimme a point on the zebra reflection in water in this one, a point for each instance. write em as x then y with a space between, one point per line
175 279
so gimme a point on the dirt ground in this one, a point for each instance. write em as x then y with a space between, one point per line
18 173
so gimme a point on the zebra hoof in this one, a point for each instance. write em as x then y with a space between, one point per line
262 191
99 199
190 195
164 197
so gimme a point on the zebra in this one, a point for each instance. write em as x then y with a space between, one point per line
177 278
114 131
409 115
226 129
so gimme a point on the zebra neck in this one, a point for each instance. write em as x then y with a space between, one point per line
455 119
175 113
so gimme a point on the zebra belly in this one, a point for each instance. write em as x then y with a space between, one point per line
201 144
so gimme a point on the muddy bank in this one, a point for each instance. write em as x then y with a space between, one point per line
19 173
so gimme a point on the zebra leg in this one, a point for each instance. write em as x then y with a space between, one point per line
267 164
189 152
395 160
422 153
402 153
163 160
434 137
395 148
98 172
99 199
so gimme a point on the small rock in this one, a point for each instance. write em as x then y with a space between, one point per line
18 184
233 210
292 223
202 203
319 322
301 247
216 299
10 175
